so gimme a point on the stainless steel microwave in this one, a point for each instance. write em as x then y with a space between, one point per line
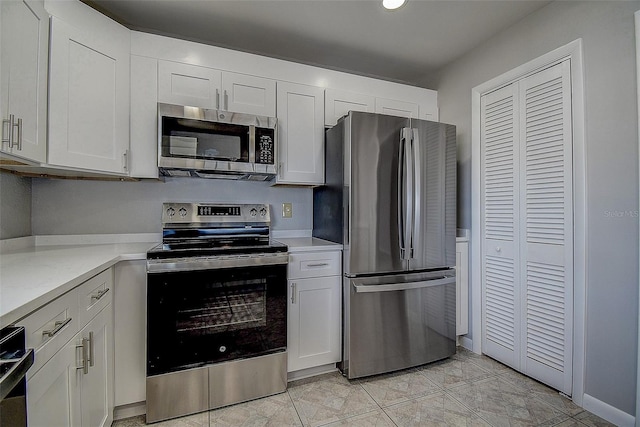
198 142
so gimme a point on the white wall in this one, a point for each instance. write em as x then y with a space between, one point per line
607 30
108 207
15 206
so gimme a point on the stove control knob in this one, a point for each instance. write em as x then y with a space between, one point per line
253 212
171 212
263 212
183 212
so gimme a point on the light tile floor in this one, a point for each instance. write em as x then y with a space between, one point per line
464 390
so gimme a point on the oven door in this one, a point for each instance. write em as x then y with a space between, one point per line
195 318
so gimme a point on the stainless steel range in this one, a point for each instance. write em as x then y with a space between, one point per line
216 309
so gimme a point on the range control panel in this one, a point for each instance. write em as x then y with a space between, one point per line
195 213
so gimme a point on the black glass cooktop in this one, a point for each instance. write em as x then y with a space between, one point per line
181 249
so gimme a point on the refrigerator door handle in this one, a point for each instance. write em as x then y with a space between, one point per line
417 189
401 191
405 193
409 197
403 286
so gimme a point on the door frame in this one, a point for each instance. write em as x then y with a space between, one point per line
572 51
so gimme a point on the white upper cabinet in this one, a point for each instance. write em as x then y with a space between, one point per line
338 103
88 89
300 134
397 108
185 84
23 60
196 86
243 93
144 118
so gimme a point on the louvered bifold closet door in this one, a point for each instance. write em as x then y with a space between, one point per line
547 226
499 216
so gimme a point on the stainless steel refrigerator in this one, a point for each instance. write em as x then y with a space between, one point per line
390 199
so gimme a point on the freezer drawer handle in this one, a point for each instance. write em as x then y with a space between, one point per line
404 286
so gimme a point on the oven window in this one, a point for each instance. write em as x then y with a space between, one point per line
199 139
200 317
234 306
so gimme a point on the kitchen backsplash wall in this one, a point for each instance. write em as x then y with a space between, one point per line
113 207
15 206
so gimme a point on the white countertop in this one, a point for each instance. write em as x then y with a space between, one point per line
34 275
308 244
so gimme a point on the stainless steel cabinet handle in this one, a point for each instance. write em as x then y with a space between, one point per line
57 327
91 353
9 123
19 142
85 356
403 286
225 100
293 293
217 99
322 264
125 160
99 295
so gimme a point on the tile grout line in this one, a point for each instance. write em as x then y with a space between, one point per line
294 406
379 406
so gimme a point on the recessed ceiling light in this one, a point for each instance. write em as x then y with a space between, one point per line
393 4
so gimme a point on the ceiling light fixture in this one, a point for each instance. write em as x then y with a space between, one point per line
393 4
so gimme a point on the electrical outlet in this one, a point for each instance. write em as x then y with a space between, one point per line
287 210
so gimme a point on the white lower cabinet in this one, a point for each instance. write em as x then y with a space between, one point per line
314 309
52 393
314 322
72 383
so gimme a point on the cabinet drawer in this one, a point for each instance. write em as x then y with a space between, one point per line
93 296
314 264
49 328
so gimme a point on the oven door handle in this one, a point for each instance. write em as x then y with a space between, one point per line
213 263
16 373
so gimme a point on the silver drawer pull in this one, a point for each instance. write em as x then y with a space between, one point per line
57 326
99 295
323 264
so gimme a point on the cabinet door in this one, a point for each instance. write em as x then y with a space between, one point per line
314 322
144 120
338 103
97 384
53 392
190 85
392 107
248 94
300 134
88 97
24 61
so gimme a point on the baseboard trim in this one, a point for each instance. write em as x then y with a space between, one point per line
311 372
607 412
466 342
128 411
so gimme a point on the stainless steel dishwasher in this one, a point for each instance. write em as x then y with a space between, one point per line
15 361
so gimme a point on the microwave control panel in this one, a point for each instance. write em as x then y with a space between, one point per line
265 146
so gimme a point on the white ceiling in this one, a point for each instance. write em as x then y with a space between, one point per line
357 36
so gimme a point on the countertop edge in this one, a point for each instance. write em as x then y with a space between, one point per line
38 302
